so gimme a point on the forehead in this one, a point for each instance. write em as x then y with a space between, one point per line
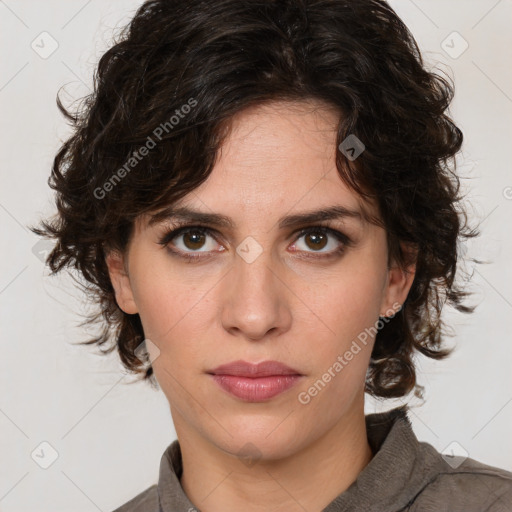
275 158
277 133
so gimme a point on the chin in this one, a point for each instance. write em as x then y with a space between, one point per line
270 439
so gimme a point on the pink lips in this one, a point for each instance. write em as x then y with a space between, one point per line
255 382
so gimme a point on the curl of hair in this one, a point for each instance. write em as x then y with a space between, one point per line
221 57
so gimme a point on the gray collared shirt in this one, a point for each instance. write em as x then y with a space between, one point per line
404 475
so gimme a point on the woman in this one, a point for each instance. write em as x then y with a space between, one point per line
259 196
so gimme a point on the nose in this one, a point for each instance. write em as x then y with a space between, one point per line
256 299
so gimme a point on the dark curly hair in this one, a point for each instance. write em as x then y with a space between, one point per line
163 96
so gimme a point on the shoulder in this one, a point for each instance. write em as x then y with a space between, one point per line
467 486
146 501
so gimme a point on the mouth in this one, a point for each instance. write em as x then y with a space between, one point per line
254 370
255 382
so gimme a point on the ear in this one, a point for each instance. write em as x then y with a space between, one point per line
120 279
399 282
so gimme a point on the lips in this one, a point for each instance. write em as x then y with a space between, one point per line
255 382
254 370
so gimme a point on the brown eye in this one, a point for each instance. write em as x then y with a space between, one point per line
193 240
316 240
190 242
195 243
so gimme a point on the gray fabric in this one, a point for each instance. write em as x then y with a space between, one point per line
404 475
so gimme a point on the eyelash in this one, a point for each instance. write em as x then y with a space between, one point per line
173 233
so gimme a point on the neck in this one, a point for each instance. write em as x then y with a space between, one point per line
308 479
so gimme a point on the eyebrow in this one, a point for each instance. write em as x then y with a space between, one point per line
185 214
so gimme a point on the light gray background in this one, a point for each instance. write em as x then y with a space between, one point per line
109 435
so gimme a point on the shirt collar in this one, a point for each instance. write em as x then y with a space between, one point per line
401 466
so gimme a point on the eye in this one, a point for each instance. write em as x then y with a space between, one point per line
191 239
320 237
198 242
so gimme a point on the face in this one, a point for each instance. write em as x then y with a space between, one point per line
263 288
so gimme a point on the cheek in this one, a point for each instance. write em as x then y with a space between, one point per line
351 301
177 312
340 354
347 311
167 301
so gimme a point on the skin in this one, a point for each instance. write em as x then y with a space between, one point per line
278 159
